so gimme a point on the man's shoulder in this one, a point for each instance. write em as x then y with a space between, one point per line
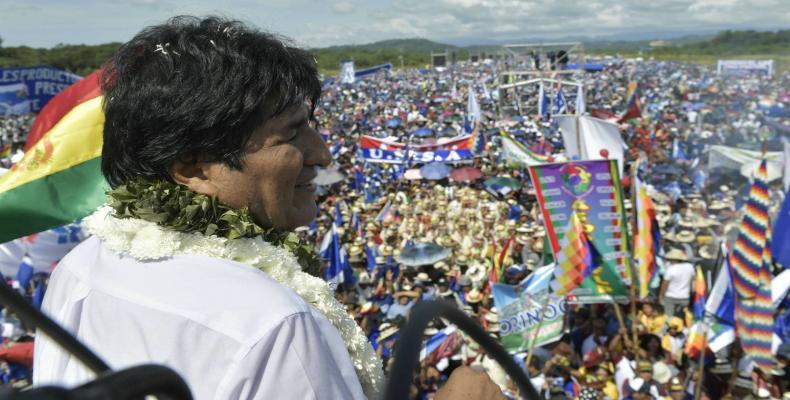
224 295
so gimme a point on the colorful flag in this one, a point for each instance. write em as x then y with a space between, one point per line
634 107
5 151
574 260
522 307
478 140
385 212
514 151
441 345
501 258
700 294
697 340
751 272
647 240
59 179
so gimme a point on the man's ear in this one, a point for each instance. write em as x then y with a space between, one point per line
197 176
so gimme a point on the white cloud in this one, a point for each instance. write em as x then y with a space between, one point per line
343 7
322 23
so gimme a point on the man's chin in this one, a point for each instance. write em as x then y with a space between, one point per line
302 215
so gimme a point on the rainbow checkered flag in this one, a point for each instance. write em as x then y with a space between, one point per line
647 237
574 260
751 272
697 340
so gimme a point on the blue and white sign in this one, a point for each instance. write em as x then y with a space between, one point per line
28 89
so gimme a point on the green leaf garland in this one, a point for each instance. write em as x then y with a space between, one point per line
178 208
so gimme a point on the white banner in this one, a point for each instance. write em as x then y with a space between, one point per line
745 161
595 135
743 67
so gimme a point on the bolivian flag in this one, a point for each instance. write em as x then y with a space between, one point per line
59 180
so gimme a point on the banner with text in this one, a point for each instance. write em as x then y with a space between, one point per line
745 67
523 306
592 190
381 151
28 89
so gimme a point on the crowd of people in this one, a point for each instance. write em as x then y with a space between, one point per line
13 132
378 212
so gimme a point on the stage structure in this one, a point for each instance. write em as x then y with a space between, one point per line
548 56
439 59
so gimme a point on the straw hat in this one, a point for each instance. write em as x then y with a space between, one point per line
676 255
492 317
388 333
708 252
685 237
476 272
661 372
474 296
716 205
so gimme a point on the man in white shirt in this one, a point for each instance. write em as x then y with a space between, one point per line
210 154
675 290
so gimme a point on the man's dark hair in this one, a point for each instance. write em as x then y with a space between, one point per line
196 89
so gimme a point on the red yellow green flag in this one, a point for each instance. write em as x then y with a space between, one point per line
59 180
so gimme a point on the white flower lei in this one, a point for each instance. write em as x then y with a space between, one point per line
145 240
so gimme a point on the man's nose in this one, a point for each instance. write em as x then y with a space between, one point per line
317 151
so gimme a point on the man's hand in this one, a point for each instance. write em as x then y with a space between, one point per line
466 384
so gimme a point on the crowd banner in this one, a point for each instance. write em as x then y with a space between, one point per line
28 89
377 150
592 190
745 161
527 312
514 151
372 70
585 137
745 67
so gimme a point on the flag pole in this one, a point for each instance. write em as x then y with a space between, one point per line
578 137
701 369
537 332
631 258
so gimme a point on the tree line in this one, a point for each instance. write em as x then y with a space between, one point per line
82 59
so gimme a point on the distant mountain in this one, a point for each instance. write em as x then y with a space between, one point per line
413 44
490 46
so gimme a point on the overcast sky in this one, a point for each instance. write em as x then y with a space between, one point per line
319 23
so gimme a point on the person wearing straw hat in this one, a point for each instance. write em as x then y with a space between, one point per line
675 291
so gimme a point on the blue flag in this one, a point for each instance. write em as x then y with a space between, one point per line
780 240
23 275
371 258
559 103
38 293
